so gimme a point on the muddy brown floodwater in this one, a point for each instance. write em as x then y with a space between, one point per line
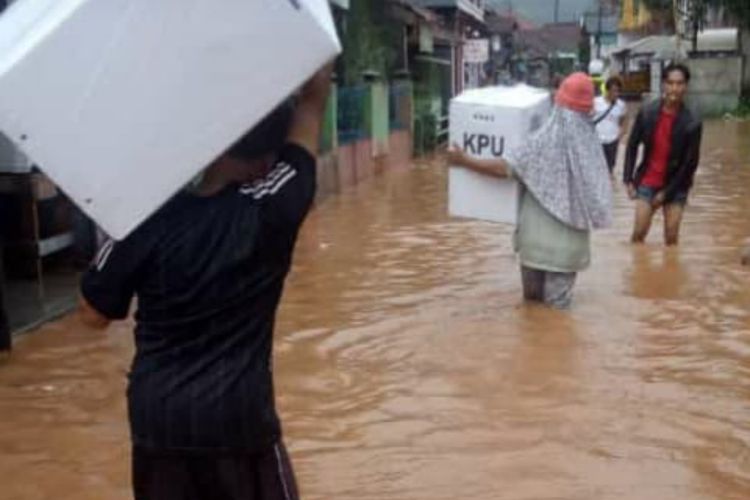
408 369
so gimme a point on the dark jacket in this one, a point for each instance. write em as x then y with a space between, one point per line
683 157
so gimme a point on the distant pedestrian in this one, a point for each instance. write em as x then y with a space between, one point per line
609 117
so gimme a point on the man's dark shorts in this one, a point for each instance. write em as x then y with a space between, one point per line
610 154
177 476
648 194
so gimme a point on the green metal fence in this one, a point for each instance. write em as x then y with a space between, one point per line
401 105
372 111
353 113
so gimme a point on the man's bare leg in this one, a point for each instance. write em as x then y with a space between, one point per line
672 222
745 256
644 212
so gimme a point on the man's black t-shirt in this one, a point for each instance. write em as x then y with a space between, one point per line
208 273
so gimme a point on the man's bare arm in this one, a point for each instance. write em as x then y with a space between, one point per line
496 167
90 316
308 115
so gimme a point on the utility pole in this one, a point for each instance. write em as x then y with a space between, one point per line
557 11
599 31
677 25
698 18
689 18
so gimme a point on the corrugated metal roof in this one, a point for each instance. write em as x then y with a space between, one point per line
422 12
466 6
551 39
498 23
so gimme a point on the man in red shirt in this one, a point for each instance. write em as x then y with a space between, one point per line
671 137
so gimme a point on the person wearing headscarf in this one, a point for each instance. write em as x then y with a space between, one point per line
566 192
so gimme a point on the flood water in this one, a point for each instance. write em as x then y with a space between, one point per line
407 367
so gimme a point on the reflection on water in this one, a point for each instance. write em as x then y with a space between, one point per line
658 273
408 369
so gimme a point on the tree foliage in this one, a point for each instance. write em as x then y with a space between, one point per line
369 43
738 9
658 5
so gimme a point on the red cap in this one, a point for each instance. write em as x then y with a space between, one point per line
576 92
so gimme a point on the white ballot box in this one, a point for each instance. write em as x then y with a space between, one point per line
122 102
487 123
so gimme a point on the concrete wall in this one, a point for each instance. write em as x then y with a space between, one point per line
401 147
716 84
328 181
353 163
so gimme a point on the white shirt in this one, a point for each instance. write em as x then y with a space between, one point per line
609 128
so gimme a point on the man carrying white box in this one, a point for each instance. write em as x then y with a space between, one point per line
565 193
122 103
208 270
